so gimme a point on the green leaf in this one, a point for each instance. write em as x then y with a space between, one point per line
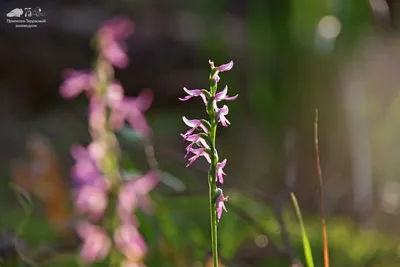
306 241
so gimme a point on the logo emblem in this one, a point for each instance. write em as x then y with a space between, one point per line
16 12
26 17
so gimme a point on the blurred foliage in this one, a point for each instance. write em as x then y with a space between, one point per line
178 235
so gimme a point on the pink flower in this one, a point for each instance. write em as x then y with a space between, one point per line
193 93
91 200
131 109
220 171
75 82
197 153
85 170
118 28
134 193
97 151
96 244
129 241
115 94
194 124
221 205
223 95
222 112
111 36
225 67
195 139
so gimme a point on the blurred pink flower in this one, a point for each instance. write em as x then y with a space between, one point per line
91 200
115 94
111 36
96 244
134 193
129 241
118 28
75 82
131 109
85 170
97 151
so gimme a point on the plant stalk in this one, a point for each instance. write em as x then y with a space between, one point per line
213 187
214 237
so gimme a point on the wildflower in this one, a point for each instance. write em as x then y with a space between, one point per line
111 37
97 165
97 150
221 205
198 152
91 200
205 142
131 109
96 244
220 171
134 193
76 82
222 112
117 29
85 170
224 67
194 124
215 70
84 165
129 241
195 139
193 93
223 96
115 94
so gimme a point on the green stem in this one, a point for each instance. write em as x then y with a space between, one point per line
214 237
213 188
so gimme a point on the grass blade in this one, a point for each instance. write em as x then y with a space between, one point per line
306 241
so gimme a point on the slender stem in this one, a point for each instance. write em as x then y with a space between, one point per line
321 193
214 237
213 187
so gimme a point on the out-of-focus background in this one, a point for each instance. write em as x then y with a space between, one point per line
291 57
